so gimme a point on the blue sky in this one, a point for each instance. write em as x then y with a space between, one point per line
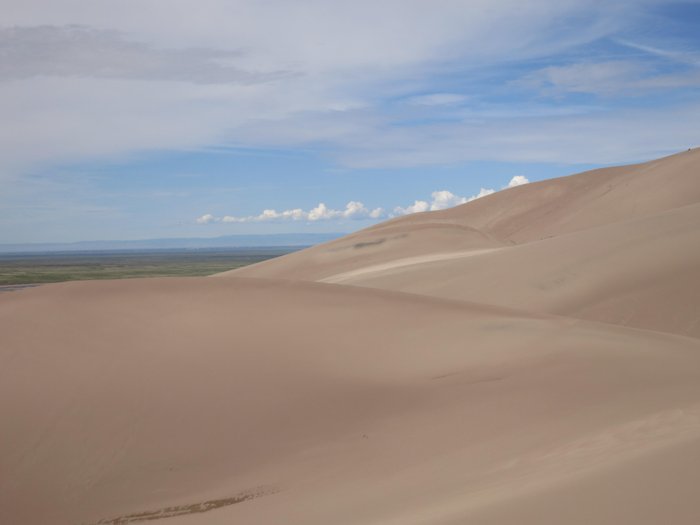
137 119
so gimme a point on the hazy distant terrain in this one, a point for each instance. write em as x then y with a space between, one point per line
185 243
528 358
47 267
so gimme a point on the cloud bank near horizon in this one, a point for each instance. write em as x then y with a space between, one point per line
355 210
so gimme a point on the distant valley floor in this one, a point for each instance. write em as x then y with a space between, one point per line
50 267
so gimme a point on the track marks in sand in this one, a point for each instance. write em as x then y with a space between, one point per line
192 508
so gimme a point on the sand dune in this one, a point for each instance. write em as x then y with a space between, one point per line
373 246
532 357
618 245
340 405
641 273
389 268
515 216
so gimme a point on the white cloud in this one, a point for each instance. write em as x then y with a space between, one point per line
483 192
205 219
353 210
416 207
443 199
518 180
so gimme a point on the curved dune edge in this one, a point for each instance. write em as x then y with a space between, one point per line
641 273
373 271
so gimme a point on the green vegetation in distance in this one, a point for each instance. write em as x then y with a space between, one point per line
39 268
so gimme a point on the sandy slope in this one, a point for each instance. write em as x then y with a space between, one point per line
373 246
262 397
514 216
342 405
618 245
643 272
389 268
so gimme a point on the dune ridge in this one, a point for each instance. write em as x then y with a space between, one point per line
532 357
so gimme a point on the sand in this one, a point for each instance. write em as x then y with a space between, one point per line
532 357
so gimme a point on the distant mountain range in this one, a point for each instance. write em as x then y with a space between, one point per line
193 243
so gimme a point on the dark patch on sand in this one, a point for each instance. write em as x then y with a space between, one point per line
368 243
192 508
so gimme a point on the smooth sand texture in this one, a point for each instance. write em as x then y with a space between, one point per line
254 400
644 273
389 268
371 247
618 245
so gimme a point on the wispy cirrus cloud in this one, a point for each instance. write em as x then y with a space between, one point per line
127 76
437 99
683 56
617 77
82 51
585 77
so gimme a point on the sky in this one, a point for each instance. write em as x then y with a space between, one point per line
133 119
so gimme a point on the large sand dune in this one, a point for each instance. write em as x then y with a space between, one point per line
518 215
644 272
618 245
532 357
